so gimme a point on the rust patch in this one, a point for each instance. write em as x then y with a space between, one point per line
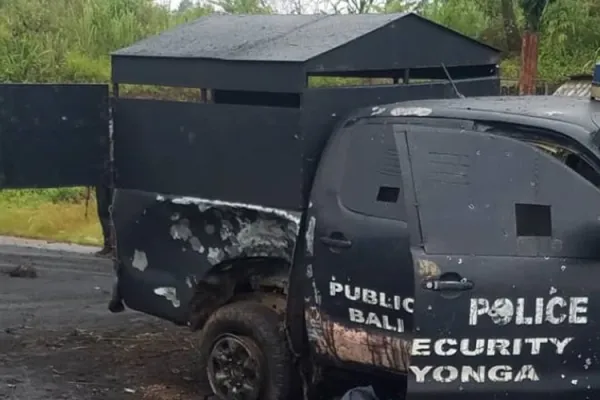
381 349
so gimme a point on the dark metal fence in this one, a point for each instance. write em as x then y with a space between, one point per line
510 87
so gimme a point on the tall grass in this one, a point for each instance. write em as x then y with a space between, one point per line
65 214
70 40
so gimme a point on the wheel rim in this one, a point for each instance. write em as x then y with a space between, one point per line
235 368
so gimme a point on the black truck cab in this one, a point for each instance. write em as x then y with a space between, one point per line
457 240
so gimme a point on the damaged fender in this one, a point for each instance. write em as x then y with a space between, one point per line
176 254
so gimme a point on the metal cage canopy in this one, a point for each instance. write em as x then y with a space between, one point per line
276 53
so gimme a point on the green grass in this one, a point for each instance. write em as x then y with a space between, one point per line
61 215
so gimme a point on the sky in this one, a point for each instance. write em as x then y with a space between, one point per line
172 3
309 6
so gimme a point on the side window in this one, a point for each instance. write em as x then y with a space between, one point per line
572 160
372 182
492 194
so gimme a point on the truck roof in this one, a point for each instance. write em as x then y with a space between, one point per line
541 111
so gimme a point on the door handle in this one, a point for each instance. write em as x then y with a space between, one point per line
341 242
440 285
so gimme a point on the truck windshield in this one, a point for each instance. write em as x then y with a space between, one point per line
572 160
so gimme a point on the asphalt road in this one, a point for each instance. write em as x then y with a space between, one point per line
59 341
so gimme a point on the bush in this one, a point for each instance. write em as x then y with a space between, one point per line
70 40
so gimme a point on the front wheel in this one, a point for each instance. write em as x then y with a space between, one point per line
244 355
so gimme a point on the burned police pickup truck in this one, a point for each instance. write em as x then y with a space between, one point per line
432 248
450 241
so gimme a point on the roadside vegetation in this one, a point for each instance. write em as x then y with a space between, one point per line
70 41
65 215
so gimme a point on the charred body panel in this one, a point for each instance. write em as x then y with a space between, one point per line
360 286
53 135
178 253
250 147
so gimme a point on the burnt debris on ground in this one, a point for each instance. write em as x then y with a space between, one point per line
21 271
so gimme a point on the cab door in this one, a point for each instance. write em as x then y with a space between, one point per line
507 307
360 269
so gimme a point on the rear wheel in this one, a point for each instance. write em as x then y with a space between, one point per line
243 353
235 368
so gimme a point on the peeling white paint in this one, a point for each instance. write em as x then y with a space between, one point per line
263 236
160 198
188 282
316 293
169 293
140 261
215 255
310 235
377 110
552 290
411 111
181 230
226 230
220 203
253 235
204 207
196 245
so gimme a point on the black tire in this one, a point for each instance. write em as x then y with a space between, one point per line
262 326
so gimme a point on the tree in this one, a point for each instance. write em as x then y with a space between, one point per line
533 11
243 6
185 5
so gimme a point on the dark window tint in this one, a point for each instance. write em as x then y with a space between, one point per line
533 220
372 183
388 194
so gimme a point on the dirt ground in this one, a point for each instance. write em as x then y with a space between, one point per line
59 341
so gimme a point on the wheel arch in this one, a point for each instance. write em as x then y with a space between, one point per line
179 256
